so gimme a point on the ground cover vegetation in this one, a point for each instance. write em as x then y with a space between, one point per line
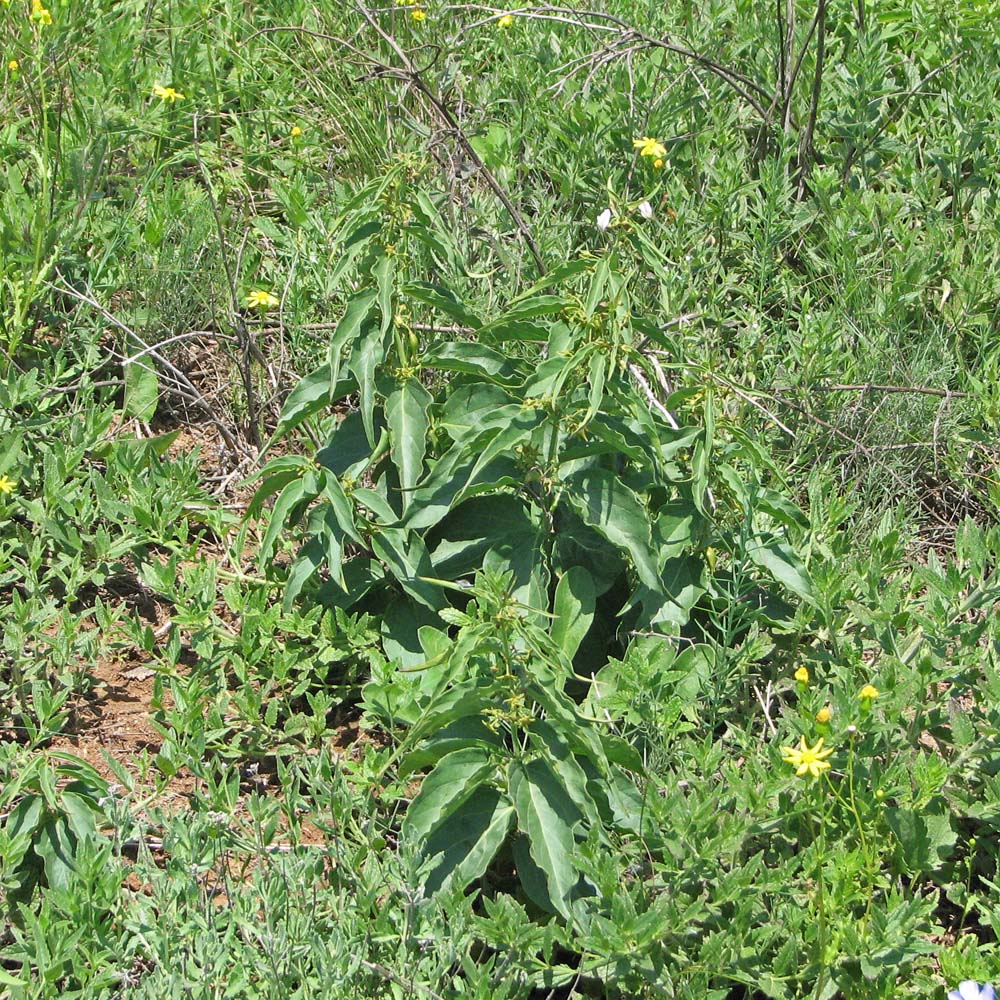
499 502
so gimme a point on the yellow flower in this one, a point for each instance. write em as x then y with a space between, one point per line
802 675
506 21
13 66
806 759
657 163
167 93
419 15
7 484
40 14
823 716
868 693
259 299
651 148
296 131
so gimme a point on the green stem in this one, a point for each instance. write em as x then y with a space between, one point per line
821 900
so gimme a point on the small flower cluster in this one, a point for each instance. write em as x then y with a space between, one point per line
812 760
417 12
652 149
39 13
604 219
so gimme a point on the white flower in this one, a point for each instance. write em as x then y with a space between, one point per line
604 220
971 990
646 210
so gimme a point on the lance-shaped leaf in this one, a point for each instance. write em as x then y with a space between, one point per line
468 839
294 496
445 300
406 558
367 355
455 778
406 415
574 609
547 816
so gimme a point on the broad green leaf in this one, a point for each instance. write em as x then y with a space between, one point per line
307 563
80 812
531 877
472 358
495 445
402 621
468 839
310 395
574 605
783 564
353 245
277 474
341 507
470 468
367 355
595 377
515 323
681 586
547 816
332 537
559 274
142 389
472 410
548 378
55 844
463 699
675 528
377 504
455 778
359 308
548 740
598 285
406 415
347 450
405 556
611 508
460 541
385 271
442 298
526 330
701 458
461 734
25 816
288 499
924 839
607 435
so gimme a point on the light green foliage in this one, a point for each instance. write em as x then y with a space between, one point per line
474 611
